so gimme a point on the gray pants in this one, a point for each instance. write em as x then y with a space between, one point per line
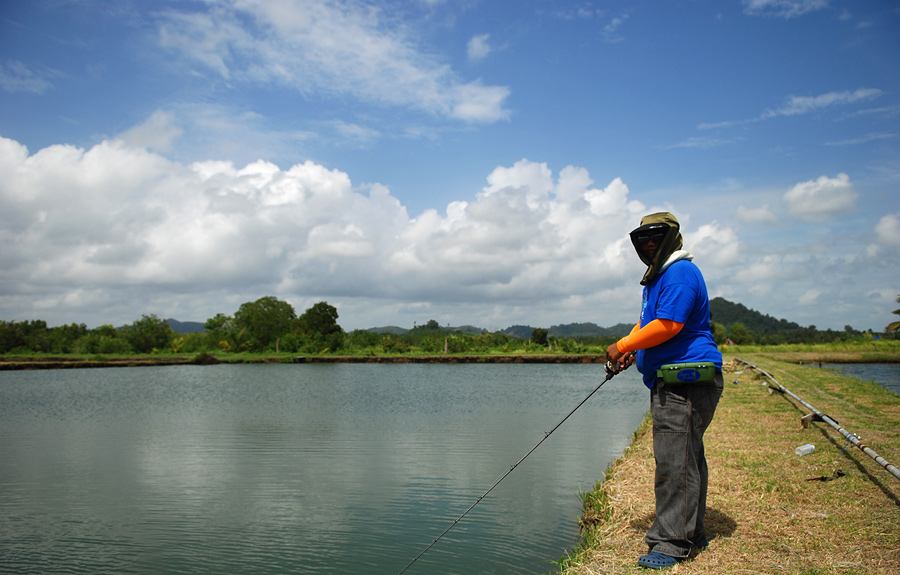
681 414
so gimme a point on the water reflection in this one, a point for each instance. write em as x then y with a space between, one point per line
300 469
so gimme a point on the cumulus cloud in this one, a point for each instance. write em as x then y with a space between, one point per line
104 234
331 48
760 215
715 244
888 230
90 225
822 198
783 8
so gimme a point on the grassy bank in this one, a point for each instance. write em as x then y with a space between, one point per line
835 352
872 351
769 510
70 361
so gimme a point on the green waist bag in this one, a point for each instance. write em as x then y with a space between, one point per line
679 373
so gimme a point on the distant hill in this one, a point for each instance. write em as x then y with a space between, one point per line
589 329
571 330
728 313
391 329
185 326
520 331
469 329
721 310
394 330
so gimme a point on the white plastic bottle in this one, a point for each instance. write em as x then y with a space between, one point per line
805 449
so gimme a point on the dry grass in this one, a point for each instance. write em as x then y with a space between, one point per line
768 511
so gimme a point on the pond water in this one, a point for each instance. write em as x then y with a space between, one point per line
886 375
338 469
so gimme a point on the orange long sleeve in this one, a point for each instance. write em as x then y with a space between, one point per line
654 333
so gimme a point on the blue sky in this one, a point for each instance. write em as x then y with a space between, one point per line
467 161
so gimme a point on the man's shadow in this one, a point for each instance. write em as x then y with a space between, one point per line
718 524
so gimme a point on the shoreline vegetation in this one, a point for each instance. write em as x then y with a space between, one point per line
873 351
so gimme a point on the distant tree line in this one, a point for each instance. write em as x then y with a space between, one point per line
264 325
272 325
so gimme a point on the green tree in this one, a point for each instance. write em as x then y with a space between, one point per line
320 319
103 339
719 333
360 339
218 329
738 333
894 325
539 336
149 333
265 320
62 338
219 322
235 341
319 327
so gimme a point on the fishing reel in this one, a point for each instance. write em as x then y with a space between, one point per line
612 368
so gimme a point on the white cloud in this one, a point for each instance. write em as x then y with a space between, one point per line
327 48
156 133
105 234
864 139
810 297
611 30
822 198
360 135
793 106
479 47
783 8
713 243
804 104
888 230
760 215
92 225
760 272
16 76
703 142
475 102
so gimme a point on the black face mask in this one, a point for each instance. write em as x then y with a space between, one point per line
663 231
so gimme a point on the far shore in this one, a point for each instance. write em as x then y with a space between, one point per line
25 362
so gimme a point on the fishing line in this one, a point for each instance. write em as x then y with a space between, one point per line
610 372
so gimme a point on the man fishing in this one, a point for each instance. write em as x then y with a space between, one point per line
674 349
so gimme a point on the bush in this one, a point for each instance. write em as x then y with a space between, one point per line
113 345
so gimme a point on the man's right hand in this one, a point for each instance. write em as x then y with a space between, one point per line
618 359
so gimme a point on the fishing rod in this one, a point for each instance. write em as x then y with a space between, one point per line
851 437
610 372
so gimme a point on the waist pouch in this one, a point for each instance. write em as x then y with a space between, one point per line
681 373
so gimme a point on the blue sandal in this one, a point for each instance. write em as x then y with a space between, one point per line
654 560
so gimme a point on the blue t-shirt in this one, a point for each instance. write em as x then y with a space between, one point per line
678 294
